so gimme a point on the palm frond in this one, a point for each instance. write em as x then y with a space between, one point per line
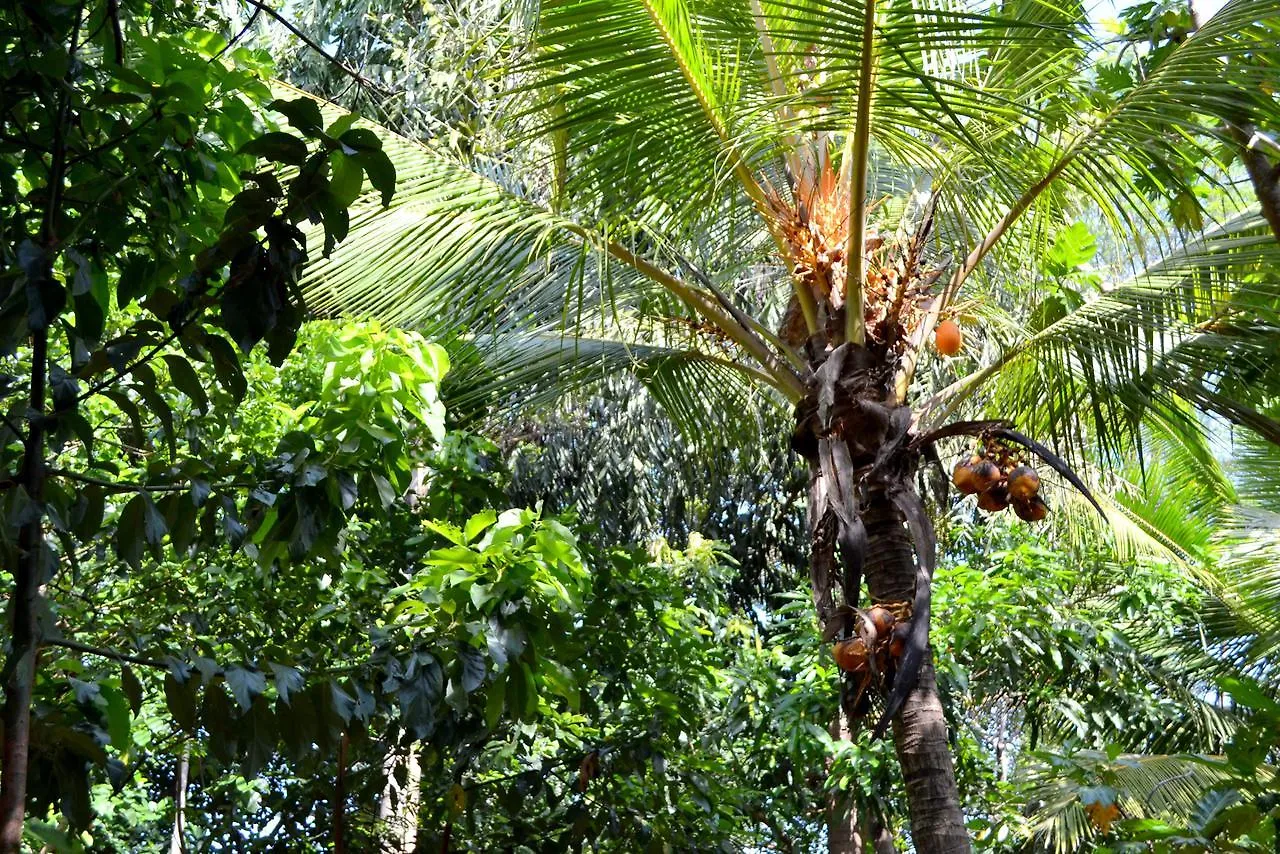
1158 786
1254 468
1191 327
1248 571
458 250
646 89
709 398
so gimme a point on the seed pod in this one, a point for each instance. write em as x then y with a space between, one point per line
851 655
987 475
1032 509
1024 483
994 499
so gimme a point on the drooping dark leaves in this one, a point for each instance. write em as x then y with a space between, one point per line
841 480
184 378
473 667
1054 461
180 696
853 549
895 439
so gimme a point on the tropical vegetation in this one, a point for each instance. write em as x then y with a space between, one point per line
505 426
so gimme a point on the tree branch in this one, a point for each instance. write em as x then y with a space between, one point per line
305 39
112 654
127 486
705 305
749 323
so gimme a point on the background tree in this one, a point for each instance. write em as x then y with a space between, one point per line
138 232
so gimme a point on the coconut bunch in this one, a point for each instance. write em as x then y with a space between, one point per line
1001 478
875 649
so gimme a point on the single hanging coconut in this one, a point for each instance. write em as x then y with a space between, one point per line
994 499
988 475
882 619
1024 483
1032 509
947 339
851 655
965 476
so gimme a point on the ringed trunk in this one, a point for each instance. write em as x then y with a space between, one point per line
919 728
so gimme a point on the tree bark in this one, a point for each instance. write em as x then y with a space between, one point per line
20 669
881 838
398 807
1263 173
176 843
340 800
24 630
842 816
919 729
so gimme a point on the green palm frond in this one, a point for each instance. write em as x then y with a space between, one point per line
1201 321
658 126
1248 571
1255 470
708 398
997 108
645 89
1160 786
1176 492
458 250
448 238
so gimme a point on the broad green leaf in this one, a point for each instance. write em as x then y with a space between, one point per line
303 113
278 147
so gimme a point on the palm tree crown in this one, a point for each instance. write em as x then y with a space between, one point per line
666 147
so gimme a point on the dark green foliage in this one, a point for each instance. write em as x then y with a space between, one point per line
148 218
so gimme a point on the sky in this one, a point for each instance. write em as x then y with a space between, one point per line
1107 9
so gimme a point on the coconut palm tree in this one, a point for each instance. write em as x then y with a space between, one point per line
688 188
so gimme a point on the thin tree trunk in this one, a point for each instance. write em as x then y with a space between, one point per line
340 800
23 632
20 667
919 729
176 843
881 838
398 808
842 816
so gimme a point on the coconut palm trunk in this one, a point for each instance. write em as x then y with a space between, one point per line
919 728
862 490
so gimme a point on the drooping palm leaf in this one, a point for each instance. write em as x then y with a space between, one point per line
1160 786
1199 321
